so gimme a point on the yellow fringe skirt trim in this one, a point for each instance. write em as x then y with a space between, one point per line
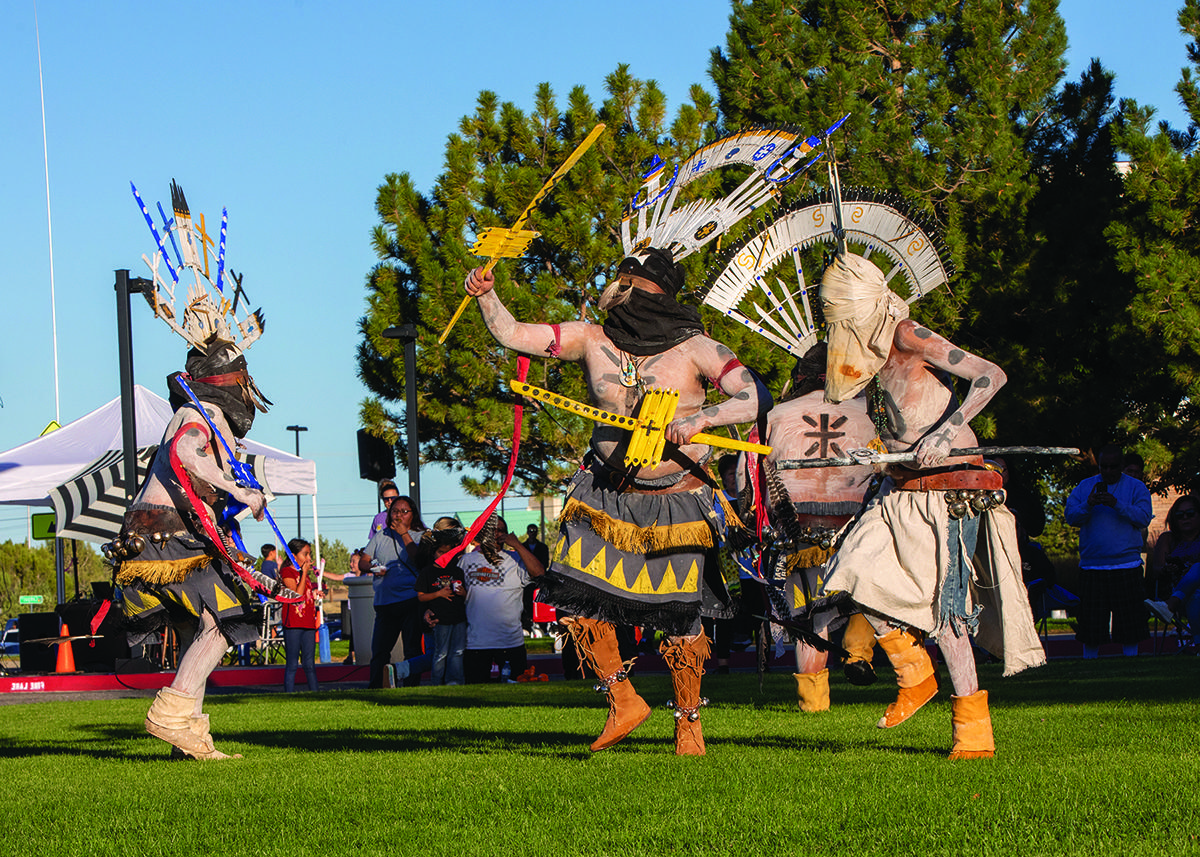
160 571
809 558
732 519
640 540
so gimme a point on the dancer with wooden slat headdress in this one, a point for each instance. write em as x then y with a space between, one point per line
639 526
178 558
906 560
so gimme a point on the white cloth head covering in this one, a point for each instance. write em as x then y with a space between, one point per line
861 314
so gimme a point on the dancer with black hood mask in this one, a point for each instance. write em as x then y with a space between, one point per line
179 576
175 557
634 541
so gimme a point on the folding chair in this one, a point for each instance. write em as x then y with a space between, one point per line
1159 612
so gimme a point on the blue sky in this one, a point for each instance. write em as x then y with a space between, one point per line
290 114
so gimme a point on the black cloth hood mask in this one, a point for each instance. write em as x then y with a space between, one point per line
237 398
649 323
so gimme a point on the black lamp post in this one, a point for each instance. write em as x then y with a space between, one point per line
407 333
297 430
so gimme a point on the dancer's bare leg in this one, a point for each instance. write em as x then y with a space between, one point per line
960 661
810 659
203 656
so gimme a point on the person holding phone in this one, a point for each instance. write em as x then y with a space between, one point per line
1111 510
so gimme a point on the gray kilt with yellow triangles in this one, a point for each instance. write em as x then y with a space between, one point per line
634 558
176 582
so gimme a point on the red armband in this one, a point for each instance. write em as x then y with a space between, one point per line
555 349
733 363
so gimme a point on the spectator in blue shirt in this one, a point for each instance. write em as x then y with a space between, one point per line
270 561
398 613
1111 510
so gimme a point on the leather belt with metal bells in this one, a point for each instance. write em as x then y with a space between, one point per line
128 545
964 499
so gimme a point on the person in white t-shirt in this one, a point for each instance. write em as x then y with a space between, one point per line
495 585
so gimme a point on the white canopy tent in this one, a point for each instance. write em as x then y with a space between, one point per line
31 471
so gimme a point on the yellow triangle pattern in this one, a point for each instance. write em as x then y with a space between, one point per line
797 597
691 582
642 585
572 557
224 601
596 567
617 578
187 603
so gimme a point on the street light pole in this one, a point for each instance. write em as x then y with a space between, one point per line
297 430
407 333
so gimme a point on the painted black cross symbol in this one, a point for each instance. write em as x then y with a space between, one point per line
825 436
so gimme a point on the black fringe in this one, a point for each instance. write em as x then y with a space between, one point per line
573 598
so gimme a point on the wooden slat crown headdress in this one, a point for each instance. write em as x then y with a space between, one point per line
776 156
760 281
204 315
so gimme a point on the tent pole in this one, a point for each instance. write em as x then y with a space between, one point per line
316 542
60 571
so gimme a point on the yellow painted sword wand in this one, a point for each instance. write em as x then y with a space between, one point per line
498 243
649 425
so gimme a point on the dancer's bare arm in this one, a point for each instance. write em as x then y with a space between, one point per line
534 339
746 397
937 351
195 450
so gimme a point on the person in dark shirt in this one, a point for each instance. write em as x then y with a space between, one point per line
270 562
535 546
442 591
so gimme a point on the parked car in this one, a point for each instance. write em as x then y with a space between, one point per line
11 641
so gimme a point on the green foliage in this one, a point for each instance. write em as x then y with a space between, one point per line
30 571
1155 242
1084 287
1077 368
942 97
25 571
336 555
1092 758
493 167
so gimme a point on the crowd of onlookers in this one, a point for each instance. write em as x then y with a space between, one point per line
1123 578
461 606
462 612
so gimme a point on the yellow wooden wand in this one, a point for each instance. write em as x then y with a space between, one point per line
498 243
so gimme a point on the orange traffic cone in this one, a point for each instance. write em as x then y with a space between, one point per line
66 655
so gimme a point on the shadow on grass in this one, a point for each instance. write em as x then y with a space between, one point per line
105 742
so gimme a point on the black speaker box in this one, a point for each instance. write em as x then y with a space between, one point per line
376 458
111 642
37 657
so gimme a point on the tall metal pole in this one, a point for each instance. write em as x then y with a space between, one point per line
297 430
124 287
125 364
407 333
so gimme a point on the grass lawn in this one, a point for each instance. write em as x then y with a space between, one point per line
1097 758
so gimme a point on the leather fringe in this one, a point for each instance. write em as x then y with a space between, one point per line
810 557
731 516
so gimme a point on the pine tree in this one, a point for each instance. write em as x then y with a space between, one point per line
1156 243
942 97
1071 291
493 167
